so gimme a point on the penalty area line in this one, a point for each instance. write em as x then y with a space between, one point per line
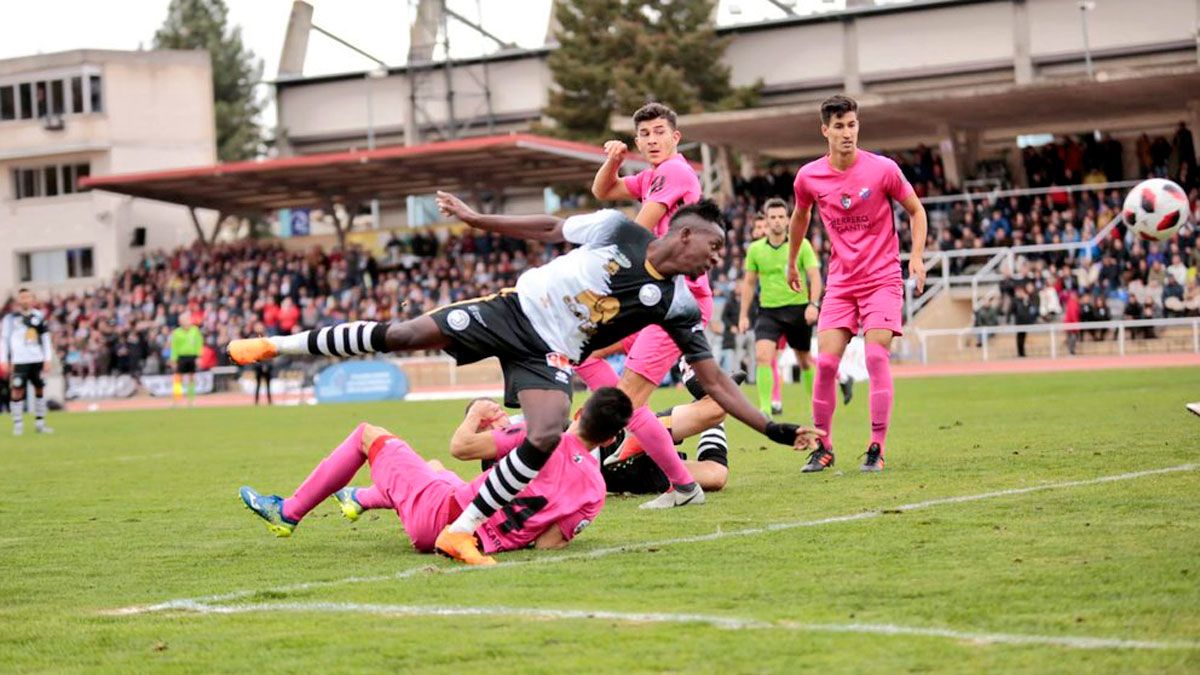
184 603
716 621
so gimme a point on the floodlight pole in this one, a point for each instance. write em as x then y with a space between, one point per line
379 72
1086 6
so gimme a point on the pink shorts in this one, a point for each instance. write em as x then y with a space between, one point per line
420 495
652 353
865 308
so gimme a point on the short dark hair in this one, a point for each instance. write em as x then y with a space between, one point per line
653 111
604 414
23 289
705 209
835 106
774 203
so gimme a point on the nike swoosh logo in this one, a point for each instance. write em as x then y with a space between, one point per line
688 501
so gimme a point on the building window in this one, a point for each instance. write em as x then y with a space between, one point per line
69 94
97 98
8 103
48 267
26 89
48 181
77 94
57 102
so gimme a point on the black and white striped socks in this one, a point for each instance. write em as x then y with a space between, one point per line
345 339
507 478
713 445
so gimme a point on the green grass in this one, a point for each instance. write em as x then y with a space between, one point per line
121 509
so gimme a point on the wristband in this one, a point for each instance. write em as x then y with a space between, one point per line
783 434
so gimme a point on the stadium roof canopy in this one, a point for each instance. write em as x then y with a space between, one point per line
899 120
491 163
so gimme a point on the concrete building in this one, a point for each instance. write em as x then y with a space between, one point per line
69 115
966 76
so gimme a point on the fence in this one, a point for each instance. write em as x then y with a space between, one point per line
984 336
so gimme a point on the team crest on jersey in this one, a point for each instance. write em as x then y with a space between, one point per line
864 193
657 184
579 528
650 294
458 319
845 201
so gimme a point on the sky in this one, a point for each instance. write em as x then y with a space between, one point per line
379 27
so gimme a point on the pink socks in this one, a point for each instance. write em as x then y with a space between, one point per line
331 475
656 440
824 396
597 373
880 370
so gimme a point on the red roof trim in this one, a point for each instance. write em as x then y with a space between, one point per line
355 156
352 157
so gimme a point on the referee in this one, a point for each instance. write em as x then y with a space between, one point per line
783 313
186 343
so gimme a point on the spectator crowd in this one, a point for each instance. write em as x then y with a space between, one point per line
248 288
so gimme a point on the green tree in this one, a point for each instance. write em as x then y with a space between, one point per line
616 55
203 24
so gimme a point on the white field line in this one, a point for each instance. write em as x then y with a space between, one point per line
724 622
184 603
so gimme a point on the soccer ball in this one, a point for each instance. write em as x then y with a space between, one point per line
1155 209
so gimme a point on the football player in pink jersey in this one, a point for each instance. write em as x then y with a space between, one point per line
853 191
662 189
567 494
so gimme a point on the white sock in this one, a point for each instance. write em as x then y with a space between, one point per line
469 521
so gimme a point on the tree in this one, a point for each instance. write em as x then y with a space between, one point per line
203 24
616 55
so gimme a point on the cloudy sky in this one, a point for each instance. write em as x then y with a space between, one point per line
379 27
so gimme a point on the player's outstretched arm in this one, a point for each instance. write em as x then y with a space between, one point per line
537 228
725 392
801 217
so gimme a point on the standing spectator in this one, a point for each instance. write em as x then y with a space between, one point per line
1025 313
1072 313
263 371
289 316
186 344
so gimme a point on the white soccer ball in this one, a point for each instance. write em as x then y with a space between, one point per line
1155 209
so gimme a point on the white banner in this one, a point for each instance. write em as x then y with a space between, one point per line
105 386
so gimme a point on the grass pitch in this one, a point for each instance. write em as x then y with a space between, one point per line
133 509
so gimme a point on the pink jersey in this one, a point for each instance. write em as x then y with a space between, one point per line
856 208
568 493
673 184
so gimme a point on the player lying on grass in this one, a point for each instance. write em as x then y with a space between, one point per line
620 280
566 495
487 432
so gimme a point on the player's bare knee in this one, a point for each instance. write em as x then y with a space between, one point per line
637 387
399 336
370 434
715 479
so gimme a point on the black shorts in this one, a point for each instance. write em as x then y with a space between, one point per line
185 365
24 374
495 326
776 322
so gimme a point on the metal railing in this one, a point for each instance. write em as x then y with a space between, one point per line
986 333
985 275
